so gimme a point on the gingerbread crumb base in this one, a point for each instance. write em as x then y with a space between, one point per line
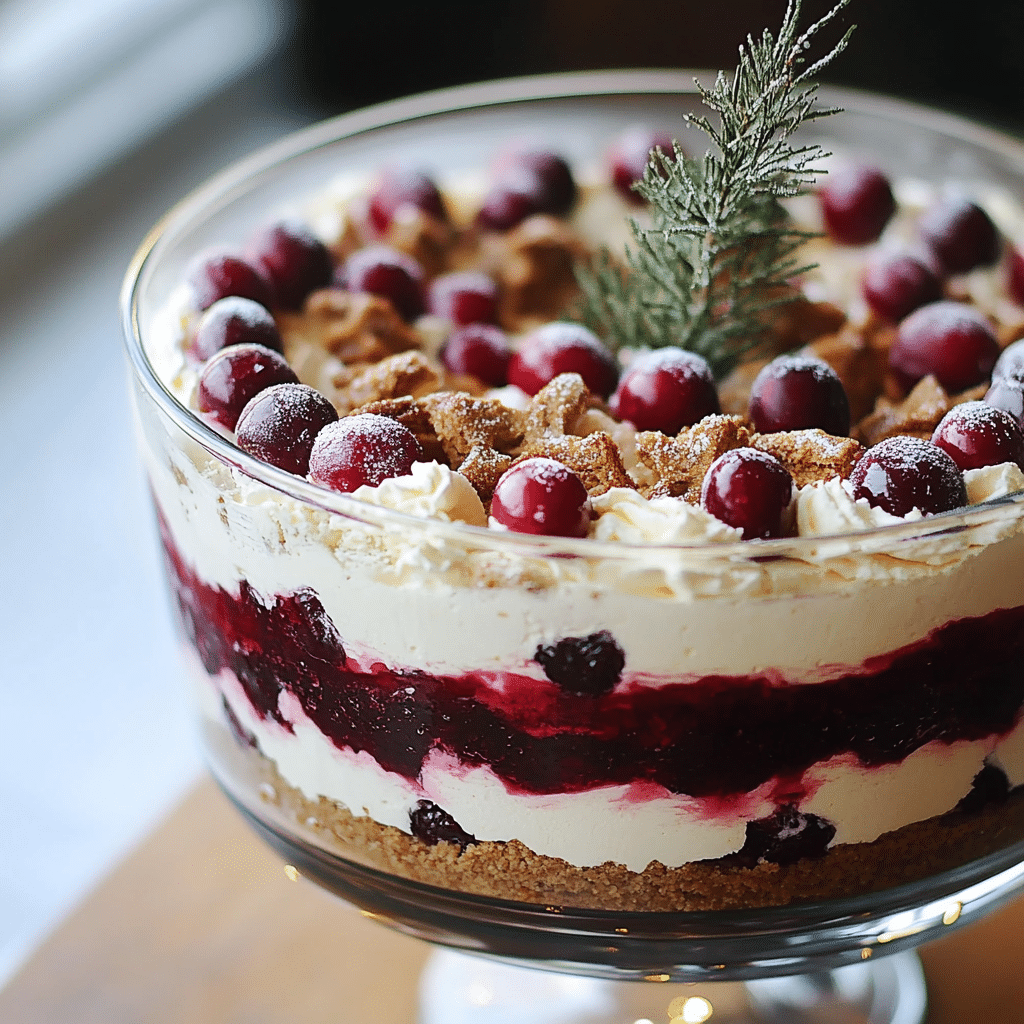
511 871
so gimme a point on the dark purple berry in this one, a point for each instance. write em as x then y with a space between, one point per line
902 473
856 203
895 284
362 449
976 434
666 389
529 182
799 393
990 786
541 496
630 154
217 277
398 187
481 350
234 376
381 270
235 321
430 824
557 191
951 340
294 261
786 837
563 347
586 665
749 490
280 424
464 297
1007 393
960 233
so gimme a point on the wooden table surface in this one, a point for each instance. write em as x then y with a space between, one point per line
202 925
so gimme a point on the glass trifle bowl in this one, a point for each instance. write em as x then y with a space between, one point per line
654 752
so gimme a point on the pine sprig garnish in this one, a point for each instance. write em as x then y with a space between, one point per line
721 247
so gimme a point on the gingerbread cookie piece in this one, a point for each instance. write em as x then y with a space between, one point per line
595 459
462 422
407 373
811 455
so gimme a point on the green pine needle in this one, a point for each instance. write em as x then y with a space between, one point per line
721 248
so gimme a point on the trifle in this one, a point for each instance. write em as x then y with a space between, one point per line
477 603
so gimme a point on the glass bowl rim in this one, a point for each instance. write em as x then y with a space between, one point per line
585 86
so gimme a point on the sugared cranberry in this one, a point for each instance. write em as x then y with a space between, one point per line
530 182
798 393
1010 362
786 837
1015 275
432 825
403 186
362 449
280 424
587 665
217 277
557 191
294 261
381 270
481 350
541 496
235 321
235 375
1007 393
902 473
666 390
464 297
856 203
748 489
563 347
951 340
895 284
960 233
630 154
977 434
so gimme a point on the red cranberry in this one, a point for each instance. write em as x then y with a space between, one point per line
481 350
960 233
280 424
464 297
666 390
1007 393
381 270
294 261
629 157
563 347
586 665
531 182
541 496
951 340
856 203
1010 362
748 489
798 393
557 188
362 449
236 374
403 186
217 277
235 321
976 434
902 473
1015 275
898 283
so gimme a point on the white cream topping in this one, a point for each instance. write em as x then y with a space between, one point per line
431 491
827 508
625 515
991 482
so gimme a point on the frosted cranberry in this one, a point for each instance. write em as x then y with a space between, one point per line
481 350
1010 362
529 183
666 390
960 233
381 270
432 825
1015 275
951 340
294 261
217 277
856 203
541 496
557 188
976 434
362 449
464 297
896 284
630 154
280 424
403 186
798 393
563 347
1007 393
507 204
235 375
586 665
748 489
235 321
902 473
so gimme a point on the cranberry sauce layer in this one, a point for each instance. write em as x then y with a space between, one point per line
712 737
